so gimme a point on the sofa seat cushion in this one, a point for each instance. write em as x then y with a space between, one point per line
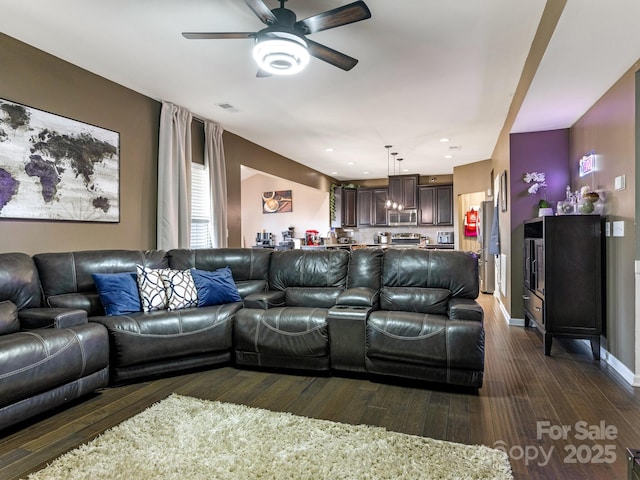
163 334
426 339
36 361
282 331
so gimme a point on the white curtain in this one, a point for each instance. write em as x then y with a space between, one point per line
215 164
174 178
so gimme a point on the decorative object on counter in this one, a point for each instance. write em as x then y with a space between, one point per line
277 202
569 205
589 203
312 237
445 238
288 239
382 237
538 186
581 202
265 239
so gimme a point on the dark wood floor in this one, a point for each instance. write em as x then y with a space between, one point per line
522 390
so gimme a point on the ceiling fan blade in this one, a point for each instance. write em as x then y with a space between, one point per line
331 56
214 35
262 11
354 12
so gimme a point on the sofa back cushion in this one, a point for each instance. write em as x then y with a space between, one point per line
19 280
67 280
424 280
249 266
365 268
312 278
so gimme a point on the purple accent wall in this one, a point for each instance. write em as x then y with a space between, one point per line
546 152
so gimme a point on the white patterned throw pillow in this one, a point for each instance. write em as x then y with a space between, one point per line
153 294
180 288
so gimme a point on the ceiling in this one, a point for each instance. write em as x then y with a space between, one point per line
428 69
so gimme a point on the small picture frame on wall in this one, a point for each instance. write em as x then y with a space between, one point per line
503 191
279 201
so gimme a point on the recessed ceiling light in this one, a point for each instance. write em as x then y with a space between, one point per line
350 163
334 173
448 156
365 173
445 139
329 149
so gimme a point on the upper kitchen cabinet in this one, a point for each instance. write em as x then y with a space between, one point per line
372 208
345 208
403 190
435 205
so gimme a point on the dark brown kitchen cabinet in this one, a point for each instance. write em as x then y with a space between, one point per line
345 204
403 190
435 205
372 209
563 282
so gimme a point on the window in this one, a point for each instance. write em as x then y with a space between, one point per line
200 207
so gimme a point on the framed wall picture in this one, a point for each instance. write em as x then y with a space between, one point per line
56 168
279 201
503 191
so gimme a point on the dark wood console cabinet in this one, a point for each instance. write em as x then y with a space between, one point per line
563 277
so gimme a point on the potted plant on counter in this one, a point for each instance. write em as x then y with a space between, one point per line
538 186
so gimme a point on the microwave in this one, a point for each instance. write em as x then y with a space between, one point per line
402 217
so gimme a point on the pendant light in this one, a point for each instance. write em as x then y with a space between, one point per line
390 203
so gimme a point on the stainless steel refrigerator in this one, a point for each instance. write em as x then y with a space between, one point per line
486 262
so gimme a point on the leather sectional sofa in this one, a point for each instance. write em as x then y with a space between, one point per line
398 312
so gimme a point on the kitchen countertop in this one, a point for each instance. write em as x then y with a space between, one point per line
429 246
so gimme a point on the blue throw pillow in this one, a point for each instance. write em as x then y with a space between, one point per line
215 288
118 292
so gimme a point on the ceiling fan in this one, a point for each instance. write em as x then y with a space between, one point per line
282 47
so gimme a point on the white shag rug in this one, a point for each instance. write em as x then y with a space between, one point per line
187 438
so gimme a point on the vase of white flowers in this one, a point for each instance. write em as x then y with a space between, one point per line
538 183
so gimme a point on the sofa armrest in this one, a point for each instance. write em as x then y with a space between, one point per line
465 309
359 297
33 318
265 300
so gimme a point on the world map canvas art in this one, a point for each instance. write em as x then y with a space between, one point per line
56 168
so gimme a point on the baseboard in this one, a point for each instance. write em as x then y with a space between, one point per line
515 322
620 368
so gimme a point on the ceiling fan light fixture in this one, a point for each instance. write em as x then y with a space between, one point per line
281 53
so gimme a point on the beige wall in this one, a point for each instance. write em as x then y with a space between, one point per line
238 152
36 79
310 209
608 129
